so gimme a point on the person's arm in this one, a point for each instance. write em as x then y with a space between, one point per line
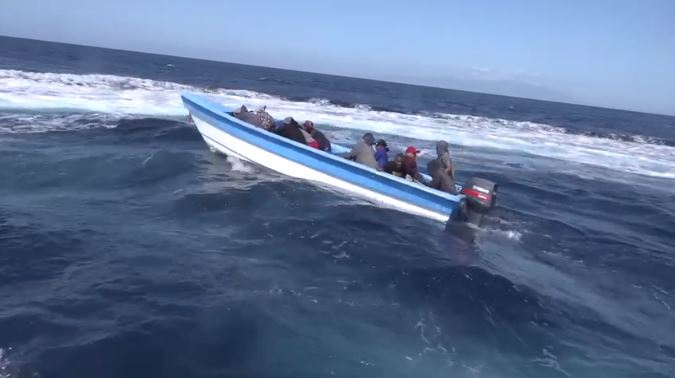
387 168
414 172
351 154
327 145
451 169
321 138
391 168
403 170
379 157
448 165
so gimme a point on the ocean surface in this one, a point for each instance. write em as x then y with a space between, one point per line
128 249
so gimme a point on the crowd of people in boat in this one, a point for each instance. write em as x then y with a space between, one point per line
367 151
288 127
376 155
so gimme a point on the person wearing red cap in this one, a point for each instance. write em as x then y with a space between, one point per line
410 163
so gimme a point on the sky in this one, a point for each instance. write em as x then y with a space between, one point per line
618 54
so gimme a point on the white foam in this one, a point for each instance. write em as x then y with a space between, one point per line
4 365
513 235
117 95
37 123
240 166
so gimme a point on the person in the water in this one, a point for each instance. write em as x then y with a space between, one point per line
381 153
362 151
324 143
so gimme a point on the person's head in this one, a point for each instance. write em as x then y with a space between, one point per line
412 151
369 139
441 147
241 109
398 159
381 144
309 126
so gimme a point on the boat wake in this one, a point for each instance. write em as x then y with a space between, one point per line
84 101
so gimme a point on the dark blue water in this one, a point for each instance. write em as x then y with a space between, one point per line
128 249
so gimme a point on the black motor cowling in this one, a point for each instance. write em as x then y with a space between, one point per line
481 194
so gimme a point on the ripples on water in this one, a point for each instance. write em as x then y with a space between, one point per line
128 249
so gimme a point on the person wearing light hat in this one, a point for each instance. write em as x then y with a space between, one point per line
410 162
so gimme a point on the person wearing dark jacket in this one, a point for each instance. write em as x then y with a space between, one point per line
291 130
381 153
362 152
396 166
440 179
324 143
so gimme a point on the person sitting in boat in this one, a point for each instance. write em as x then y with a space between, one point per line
244 114
278 125
258 118
396 166
381 151
362 152
324 143
410 162
310 140
290 129
266 120
444 158
440 179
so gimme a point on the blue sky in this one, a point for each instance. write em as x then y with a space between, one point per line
609 53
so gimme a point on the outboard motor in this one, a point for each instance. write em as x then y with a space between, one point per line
481 196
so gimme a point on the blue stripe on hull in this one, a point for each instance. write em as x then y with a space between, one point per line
217 116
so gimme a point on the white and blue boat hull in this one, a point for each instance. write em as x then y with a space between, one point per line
233 137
